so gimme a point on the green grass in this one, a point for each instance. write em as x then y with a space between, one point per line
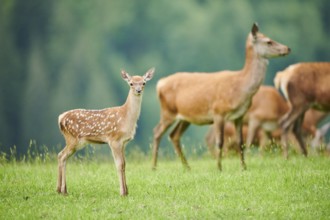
271 188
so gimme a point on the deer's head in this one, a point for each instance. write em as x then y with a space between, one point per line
137 83
266 47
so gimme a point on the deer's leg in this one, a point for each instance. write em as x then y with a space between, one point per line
317 139
175 136
268 136
159 131
253 126
286 123
117 150
264 138
298 135
319 134
219 127
59 178
238 126
210 140
62 157
284 141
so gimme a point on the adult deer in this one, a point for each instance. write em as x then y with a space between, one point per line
201 98
115 126
267 107
262 119
305 85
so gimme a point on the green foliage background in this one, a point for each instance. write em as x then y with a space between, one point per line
57 55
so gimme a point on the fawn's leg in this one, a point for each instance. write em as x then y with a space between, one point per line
117 149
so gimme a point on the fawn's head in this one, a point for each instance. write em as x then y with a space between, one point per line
137 83
266 47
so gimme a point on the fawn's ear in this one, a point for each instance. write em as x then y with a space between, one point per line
254 30
149 74
125 75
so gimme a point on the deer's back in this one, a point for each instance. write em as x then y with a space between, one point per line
87 123
198 93
311 82
268 104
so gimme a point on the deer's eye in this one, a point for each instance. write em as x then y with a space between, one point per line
131 84
270 43
144 83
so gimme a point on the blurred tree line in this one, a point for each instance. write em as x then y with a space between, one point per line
57 55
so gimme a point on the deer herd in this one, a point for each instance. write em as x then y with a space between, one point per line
234 102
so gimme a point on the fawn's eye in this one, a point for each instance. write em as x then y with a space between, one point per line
144 83
131 84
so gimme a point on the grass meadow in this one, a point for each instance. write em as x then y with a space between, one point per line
271 188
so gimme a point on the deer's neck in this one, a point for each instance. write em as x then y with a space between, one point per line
132 107
254 70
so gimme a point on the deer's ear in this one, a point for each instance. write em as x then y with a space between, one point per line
125 75
254 30
149 74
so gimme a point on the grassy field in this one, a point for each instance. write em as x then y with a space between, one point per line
271 188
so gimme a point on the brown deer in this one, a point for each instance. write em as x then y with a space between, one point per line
201 98
305 85
262 119
115 126
267 107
